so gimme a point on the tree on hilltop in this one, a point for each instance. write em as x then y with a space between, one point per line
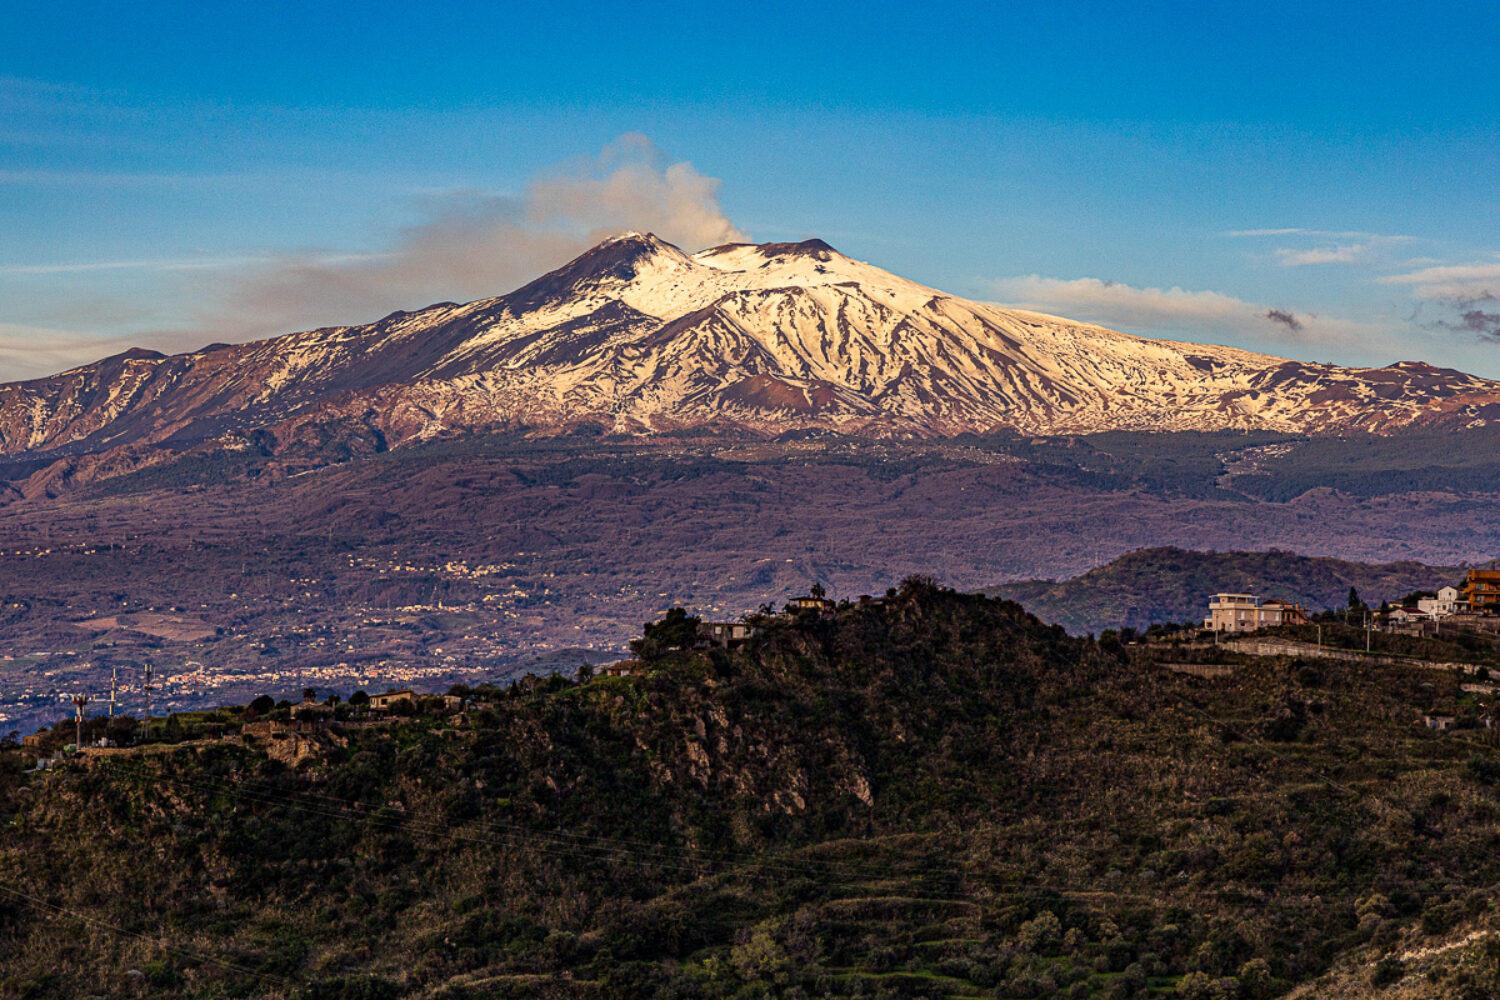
676 630
1356 606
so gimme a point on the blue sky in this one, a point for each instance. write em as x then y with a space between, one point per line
1313 180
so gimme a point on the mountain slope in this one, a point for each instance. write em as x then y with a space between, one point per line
637 336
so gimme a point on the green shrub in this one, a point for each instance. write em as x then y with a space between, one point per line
1388 970
353 988
1441 918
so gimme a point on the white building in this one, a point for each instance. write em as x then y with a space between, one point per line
1408 616
1441 606
1246 613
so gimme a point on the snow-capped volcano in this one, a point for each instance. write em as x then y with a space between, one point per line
638 336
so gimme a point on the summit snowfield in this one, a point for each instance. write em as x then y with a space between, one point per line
636 336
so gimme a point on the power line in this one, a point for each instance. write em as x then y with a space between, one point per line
600 848
175 950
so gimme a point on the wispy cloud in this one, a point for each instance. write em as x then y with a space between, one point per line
1197 314
111 178
45 114
19 94
33 351
1365 248
1461 294
1450 281
1264 232
169 264
1350 253
1326 234
476 244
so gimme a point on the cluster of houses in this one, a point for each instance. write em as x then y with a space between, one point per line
1478 599
1427 609
1476 602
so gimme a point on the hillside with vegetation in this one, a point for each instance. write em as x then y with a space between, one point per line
933 796
1170 584
1366 466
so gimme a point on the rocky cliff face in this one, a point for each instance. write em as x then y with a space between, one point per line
636 336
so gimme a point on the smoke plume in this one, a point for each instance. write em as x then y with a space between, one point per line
474 245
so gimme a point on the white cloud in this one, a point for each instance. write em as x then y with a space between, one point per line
1327 234
1455 282
1264 232
1131 306
1456 298
1348 254
1367 248
1372 250
1197 314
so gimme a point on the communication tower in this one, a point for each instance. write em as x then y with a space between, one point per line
79 700
147 686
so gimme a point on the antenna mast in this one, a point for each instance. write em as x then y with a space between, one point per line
79 700
147 685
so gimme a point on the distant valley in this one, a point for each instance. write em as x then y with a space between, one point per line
486 555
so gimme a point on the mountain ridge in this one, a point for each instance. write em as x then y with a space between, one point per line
637 336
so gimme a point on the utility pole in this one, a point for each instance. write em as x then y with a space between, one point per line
79 700
148 700
114 684
1320 635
